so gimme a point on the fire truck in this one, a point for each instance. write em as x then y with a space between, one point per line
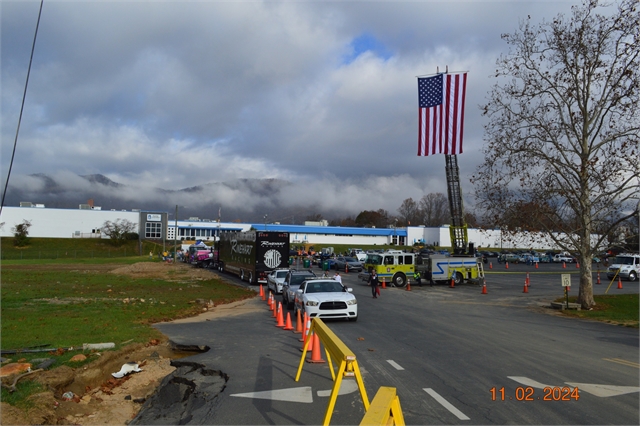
397 267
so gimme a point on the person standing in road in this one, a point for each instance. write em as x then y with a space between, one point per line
373 282
337 277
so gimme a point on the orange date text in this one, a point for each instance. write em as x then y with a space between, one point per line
528 393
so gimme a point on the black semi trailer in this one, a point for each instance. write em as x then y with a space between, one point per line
253 254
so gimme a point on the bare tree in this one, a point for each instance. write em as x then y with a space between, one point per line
563 128
434 209
119 230
409 212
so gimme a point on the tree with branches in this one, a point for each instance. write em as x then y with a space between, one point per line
434 209
563 128
21 234
119 231
409 212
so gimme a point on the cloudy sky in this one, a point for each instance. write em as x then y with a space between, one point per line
174 94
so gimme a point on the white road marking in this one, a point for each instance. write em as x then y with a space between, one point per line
459 414
528 382
395 364
604 391
303 394
347 386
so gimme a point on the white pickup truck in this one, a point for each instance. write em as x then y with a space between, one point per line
359 254
562 257
626 265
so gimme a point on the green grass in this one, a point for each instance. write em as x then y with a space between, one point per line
68 308
76 248
63 304
619 309
24 389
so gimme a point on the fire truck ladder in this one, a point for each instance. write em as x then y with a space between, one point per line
458 228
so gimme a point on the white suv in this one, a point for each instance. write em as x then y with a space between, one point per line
625 266
326 298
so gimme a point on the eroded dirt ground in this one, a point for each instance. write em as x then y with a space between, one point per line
99 398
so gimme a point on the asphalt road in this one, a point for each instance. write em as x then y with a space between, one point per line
443 348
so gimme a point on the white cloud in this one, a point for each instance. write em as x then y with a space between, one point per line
178 94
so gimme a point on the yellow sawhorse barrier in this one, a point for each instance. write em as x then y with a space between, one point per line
346 360
384 410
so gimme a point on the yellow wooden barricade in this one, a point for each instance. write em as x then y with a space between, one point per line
347 364
384 410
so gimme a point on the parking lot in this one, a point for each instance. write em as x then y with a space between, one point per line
443 348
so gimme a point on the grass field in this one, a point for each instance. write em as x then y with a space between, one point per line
65 305
620 309
76 249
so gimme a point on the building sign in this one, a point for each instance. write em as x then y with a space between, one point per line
154 218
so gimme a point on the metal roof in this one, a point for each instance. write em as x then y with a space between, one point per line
330 230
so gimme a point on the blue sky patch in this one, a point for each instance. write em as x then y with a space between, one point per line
363 43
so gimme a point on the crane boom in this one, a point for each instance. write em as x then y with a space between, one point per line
458 227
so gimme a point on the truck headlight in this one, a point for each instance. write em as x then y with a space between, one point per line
352 302
312 303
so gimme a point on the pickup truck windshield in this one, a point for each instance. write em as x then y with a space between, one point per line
374 259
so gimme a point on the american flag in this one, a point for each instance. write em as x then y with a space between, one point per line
441 113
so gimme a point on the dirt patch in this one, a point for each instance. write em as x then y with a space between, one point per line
165 271
99 398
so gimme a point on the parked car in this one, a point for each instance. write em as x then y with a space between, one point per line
291 284
275 280
508 257
326 298
340 264
559 258
528 258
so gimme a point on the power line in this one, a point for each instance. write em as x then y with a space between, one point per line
24 96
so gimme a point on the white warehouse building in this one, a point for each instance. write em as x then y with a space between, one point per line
87 220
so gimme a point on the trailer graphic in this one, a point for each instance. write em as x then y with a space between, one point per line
252 255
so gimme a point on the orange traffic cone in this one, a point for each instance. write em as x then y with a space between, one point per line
526 288
490 265
619 283
280 319
564 265
298 324
506 265
308 336
484 288
346 268
536 265
261 292
384 284
452 283
526 280
275 309
408 284
305 328
598 278
271 302
577 264
288 325
316 354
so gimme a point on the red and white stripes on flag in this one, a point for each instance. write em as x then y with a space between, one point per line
441 101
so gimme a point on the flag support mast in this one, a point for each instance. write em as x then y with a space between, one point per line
441 122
